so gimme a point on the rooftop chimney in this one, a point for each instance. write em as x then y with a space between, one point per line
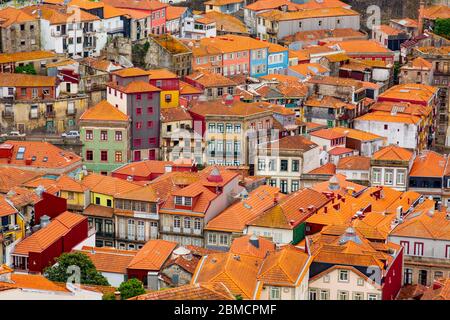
421 9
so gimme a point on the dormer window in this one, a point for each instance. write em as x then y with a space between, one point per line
179 200
187 201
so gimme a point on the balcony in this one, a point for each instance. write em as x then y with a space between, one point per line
104 234
9 115
272 30
50 114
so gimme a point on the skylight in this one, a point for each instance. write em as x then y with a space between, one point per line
20 153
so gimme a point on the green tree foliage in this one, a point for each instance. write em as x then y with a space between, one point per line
442 27
28 69
138 53
131 288
109 296
64 269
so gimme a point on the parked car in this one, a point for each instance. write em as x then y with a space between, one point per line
73 134
14 134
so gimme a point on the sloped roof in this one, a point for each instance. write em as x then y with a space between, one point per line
354 163
104 111
251 245
393 152
152 255
109 259
428 164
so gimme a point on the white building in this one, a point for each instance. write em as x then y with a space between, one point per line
399 129
198 27
79 34
274 25
285 160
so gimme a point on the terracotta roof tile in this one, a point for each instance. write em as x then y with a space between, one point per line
152 255
104 111
252 246
26 56
354 163
428 164
26 80
109 259
10 16
198 291
107 185
393 152
43 238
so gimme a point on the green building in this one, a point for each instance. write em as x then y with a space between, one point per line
104 131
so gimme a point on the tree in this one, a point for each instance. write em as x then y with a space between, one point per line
442 27
27 69
66 267
131 288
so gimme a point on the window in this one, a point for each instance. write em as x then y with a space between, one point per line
179 200
358 296
342 295
407 276
324 295
104 135
283 165
150 110
70 195
141 231
326 278
423 274
295 185
295 165
343 276
138 125
118 156
283 186
187 223
104 155
89 135
261 164
109 203
376 174
237 128
229 128
197 224
187 201
386 127
220 127
212 127
405 245
389 176
272 165
400 177
138 96
131 230
275 293
438 274
118 135
360 282
97 200
372 296
212 238
89 155
138 111
312 294
149 124
418 248
176 222
168 97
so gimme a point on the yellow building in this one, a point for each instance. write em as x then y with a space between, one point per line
169 83
12 227
76 194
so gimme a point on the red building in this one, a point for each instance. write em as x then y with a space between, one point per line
49 205
39 250
27 87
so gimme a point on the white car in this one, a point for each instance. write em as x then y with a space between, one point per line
13 134
73 134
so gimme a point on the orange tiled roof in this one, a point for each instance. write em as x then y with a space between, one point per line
358 134
309 69
437 12
161 74
388 30
109 259
148 5
131 72
393 152
328 134
237 272
175 114
428 164
327 169
217 107
26 56
198 291
226 22
107 185
341 181
145 193
426 225
410 92
173 13
135 87
354 163
152 255
291 210
339 151
104 111
59 14
6 209
235 217
34 282
387 117
362 46
286 267
327 102
186 89
10 16
47 155
143 168
252 246
208 79
26 80
43 238
11 177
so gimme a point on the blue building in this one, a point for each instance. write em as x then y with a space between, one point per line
258 62
278 59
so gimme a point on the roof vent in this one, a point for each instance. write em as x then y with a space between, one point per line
45 221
